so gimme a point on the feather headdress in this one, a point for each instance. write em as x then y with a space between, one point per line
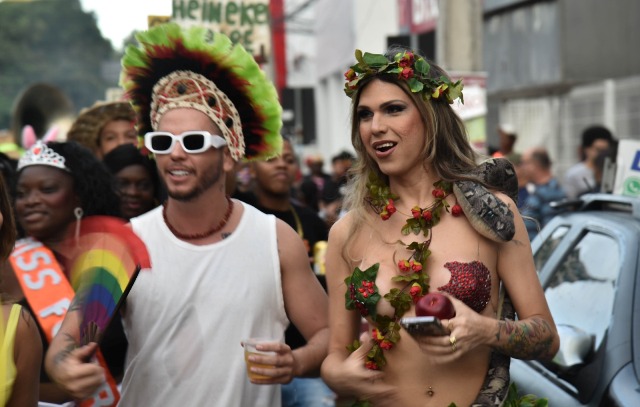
175 67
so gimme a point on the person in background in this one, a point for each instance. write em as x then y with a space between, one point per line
56 186
136 179
273 181
414 226
20 345
580 177
8 145
523 180
104 126
222 271
600 169
313 183
545 189
333 191
507 137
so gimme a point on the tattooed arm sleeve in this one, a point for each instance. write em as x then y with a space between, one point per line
528 339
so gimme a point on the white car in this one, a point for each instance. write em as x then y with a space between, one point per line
588 260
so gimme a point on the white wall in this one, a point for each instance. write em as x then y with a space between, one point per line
364 24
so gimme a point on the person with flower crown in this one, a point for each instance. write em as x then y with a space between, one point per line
221 270
423 216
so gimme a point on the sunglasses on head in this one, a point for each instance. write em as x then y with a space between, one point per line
162 142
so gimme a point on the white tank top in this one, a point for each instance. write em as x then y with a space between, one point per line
186 317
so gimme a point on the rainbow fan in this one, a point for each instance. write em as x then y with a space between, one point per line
108 257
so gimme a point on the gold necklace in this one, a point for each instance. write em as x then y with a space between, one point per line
298 222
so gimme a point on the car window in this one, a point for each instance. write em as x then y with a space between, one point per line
581 291
546 249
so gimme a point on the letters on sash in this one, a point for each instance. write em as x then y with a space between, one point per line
49 293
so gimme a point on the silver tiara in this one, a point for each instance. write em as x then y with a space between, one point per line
40 154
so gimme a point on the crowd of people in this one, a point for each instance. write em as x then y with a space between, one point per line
243 245
538 185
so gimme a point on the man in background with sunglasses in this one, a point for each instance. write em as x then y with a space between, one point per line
221 270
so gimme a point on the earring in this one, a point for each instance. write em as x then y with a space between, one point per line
78 212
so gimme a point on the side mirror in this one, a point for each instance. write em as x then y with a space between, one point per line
576 346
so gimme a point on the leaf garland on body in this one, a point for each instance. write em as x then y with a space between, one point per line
362 293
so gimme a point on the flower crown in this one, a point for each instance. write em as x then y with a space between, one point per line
406 65
41 154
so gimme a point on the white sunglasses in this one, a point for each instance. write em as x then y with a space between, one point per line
163 142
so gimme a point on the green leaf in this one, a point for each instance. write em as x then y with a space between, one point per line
528 400
406 229
406 277
359 56
422 66
355 279
455 91
394 332
415 85
400 300
415 246
383 321
354 346
357 69
375 60
422 256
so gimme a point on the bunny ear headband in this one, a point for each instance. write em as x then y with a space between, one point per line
29 137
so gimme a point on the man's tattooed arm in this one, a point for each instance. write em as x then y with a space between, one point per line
529 339
69 345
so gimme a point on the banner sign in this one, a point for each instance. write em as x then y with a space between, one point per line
245 22
627 181
417 16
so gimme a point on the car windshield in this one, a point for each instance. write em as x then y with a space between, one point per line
581 291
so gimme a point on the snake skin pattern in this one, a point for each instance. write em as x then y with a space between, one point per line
499 174
490 216
496 384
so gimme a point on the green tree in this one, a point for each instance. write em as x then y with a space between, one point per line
55 42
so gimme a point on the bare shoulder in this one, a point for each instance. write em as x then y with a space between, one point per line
285 231
27 334
340 229
6 310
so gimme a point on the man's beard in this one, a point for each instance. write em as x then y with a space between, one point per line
209 179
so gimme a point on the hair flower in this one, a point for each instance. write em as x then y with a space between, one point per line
406 60
407 73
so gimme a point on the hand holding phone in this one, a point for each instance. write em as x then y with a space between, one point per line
430 326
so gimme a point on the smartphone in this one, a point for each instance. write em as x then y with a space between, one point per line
430 326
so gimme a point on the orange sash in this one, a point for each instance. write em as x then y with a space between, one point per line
48 292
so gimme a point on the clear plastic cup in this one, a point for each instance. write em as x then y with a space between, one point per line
250 349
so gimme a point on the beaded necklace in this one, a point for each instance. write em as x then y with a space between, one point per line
194 236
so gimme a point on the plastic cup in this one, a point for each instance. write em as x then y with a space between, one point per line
250 349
